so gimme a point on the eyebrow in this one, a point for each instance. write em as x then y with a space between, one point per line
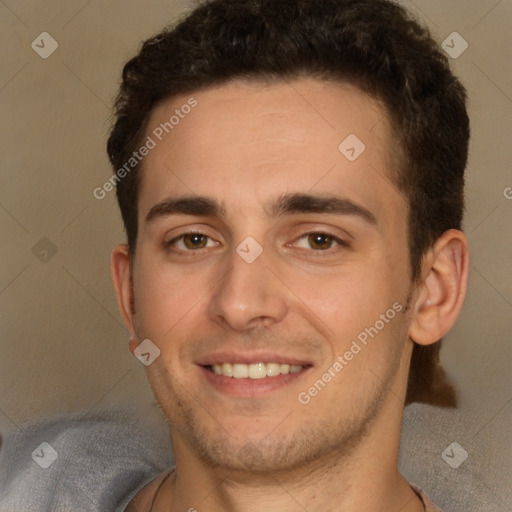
189 205
309 203
284 204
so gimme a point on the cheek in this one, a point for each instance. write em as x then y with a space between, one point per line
362 310
348 299
163 298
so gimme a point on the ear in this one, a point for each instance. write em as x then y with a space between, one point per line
442 290
120 273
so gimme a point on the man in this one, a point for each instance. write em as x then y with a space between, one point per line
290 176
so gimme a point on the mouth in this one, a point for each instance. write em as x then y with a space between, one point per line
255 379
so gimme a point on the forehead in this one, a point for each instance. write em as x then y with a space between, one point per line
253 140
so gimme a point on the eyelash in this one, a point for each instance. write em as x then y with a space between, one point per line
340 242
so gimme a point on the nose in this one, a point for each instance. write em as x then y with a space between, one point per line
250 296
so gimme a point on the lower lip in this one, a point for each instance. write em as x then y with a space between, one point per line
250 388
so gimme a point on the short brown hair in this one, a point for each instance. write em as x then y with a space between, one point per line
373 44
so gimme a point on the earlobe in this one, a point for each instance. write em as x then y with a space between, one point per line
120 273
132 344
441 293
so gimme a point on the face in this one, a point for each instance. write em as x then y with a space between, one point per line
271 249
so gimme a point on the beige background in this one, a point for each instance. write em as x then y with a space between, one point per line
63 346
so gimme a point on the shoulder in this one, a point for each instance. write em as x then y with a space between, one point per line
82 461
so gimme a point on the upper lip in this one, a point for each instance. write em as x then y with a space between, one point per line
251 357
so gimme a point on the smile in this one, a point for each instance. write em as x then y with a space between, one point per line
254 370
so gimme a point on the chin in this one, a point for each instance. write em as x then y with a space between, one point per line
254 458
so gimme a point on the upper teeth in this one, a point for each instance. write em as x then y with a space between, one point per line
254 371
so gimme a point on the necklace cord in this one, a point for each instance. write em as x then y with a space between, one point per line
158 490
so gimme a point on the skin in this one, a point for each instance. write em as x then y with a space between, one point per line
245 145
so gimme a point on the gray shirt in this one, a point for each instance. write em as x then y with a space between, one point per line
91 462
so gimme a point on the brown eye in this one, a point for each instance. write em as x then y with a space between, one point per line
190 242
194 240
320 241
